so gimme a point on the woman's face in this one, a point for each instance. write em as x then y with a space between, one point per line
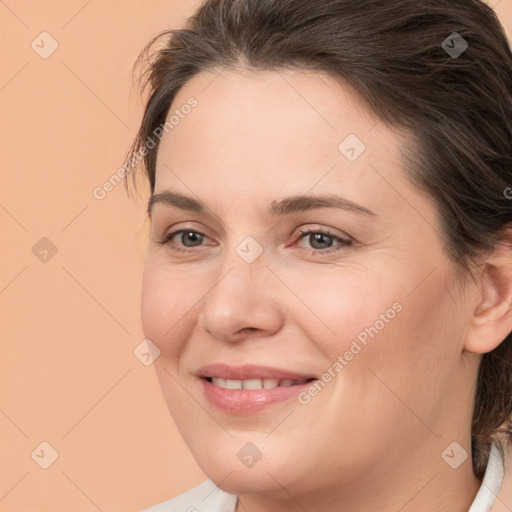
371 309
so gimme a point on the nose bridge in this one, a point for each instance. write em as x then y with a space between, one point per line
243 252
240 297
237 281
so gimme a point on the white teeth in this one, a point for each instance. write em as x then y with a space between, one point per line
219 382
255 383
233 384
252 384
270 383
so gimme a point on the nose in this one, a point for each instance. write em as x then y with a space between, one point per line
242 303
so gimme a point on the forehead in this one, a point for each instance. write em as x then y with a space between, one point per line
271 110
271 131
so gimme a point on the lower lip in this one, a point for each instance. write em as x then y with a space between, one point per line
249 401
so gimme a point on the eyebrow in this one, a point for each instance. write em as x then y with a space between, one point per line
293 204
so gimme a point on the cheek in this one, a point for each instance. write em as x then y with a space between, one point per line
154 303
338 306
166 306
392 372
385 323
412 360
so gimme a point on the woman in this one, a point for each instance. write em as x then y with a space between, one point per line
372 372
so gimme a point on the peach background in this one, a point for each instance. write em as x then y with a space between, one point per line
69 325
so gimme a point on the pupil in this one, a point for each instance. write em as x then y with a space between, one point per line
317 238
190 235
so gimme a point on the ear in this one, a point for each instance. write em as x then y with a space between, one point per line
491 322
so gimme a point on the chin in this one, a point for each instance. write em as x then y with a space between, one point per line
224 467
246 482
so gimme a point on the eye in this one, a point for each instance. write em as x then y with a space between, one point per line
187 236
319 238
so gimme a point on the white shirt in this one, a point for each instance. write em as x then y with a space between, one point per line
207 497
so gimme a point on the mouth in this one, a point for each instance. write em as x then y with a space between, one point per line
245 390
267 383
252 374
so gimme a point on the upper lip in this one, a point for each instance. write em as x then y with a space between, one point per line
250 371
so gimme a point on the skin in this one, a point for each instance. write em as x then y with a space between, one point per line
372 439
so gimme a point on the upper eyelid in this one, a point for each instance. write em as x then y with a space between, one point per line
298 233
301 229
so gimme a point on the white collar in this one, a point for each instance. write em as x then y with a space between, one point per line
207 497
491 484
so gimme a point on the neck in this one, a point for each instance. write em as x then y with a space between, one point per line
420 481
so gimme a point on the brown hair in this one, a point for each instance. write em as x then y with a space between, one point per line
396 55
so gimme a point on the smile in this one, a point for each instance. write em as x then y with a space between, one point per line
250 388
255 383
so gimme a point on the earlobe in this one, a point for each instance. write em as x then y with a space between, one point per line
491 322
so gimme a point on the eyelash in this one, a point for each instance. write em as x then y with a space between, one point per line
343 243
